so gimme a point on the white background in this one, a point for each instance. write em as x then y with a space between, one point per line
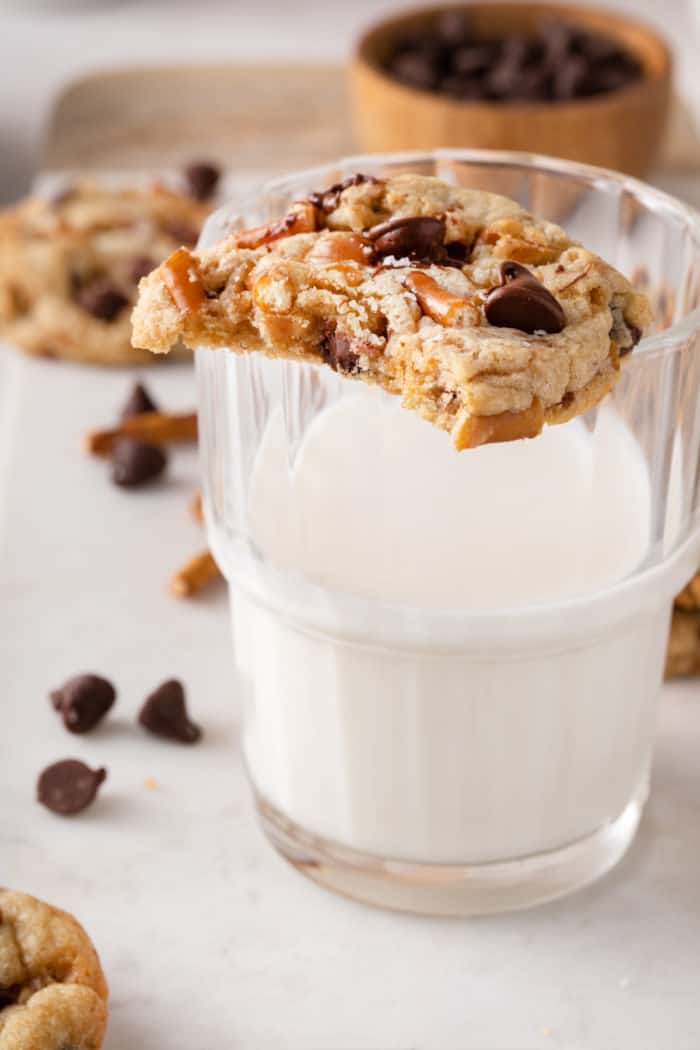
208 939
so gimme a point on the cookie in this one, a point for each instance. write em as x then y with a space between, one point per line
53 994
70 266
683 652
689 597
486 321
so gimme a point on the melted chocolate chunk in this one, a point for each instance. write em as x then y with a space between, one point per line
420 238
164 713
138 402
202 179
69 786
328 200
335 351
136 462
523 302
83 701
140 266
101 299
8 995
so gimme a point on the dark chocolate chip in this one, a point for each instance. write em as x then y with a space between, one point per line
183 233
140 266
164 713
468 61
335 350
138 402
420 238
555 63
417 69
83 701
9 995
453 28
101 299
328 200
69 786
512 271
202 179
136 462
635 334
523 302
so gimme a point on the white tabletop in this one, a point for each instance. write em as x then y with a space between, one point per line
207 937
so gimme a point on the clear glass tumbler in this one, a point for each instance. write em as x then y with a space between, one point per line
448 663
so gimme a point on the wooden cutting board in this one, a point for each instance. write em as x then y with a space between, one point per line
258 118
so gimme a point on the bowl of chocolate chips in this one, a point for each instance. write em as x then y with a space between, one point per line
583 84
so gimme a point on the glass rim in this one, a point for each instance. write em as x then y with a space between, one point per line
663 341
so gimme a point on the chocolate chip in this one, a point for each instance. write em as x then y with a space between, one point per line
457 253
328 200
164 713
453 27
555 63
83 701
140 266
136 462
420 238
9 995
138 402
69 786
101 299
417 69
335 350
183 233
202 179
523 302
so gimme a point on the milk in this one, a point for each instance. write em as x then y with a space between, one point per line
421 752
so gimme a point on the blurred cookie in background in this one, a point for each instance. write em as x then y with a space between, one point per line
70 263
53 994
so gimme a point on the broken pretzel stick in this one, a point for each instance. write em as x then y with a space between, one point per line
160 428
196 508
198 573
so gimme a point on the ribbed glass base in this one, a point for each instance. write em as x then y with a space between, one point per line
446 889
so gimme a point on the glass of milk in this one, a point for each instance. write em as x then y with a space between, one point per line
448 663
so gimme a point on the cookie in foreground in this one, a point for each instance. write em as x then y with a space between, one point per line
486 321
70 266
53 994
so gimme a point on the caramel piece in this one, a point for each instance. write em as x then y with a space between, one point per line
689 597
301 219
159 428
183 281
683 651
197 508
273 292
339 248
195 575
472 431
439 304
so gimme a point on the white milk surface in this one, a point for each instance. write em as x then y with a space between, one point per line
377 502
422 756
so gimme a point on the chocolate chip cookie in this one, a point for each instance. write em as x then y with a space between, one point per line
53 995
486 321
70 266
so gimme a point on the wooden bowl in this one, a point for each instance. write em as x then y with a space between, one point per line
621 130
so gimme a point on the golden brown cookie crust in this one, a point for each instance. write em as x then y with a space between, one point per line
310 286
47 247
53 994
